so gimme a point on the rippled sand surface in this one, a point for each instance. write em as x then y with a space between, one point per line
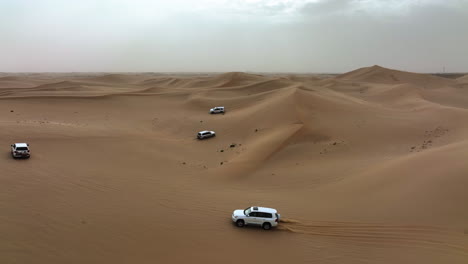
365 167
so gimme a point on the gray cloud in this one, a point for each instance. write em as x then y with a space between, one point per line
417 37
302 36
322 7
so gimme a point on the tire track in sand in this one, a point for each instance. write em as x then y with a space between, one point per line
428 237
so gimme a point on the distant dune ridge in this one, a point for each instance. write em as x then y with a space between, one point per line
463 78
366 166
377 74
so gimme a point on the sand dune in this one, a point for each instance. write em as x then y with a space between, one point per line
365 167
377 74
463 79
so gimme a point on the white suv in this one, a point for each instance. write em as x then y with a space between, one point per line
20 150
217 110
205 134
261 216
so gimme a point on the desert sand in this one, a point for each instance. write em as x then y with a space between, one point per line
365 167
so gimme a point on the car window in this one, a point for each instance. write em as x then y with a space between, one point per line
253 214
21 148
265 215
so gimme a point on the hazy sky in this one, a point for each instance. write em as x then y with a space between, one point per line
233 35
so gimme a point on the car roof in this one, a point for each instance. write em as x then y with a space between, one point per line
21 144
204 131
265 209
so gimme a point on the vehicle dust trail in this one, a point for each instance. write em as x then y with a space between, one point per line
403 235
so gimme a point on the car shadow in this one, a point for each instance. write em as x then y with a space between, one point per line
253 228
9 156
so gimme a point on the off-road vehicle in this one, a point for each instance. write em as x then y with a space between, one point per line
20 150
260 216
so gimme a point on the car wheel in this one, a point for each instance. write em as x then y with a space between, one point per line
240 223
266 226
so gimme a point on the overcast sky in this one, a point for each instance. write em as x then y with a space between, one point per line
233 35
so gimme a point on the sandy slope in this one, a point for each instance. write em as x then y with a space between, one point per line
365 167
463 78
